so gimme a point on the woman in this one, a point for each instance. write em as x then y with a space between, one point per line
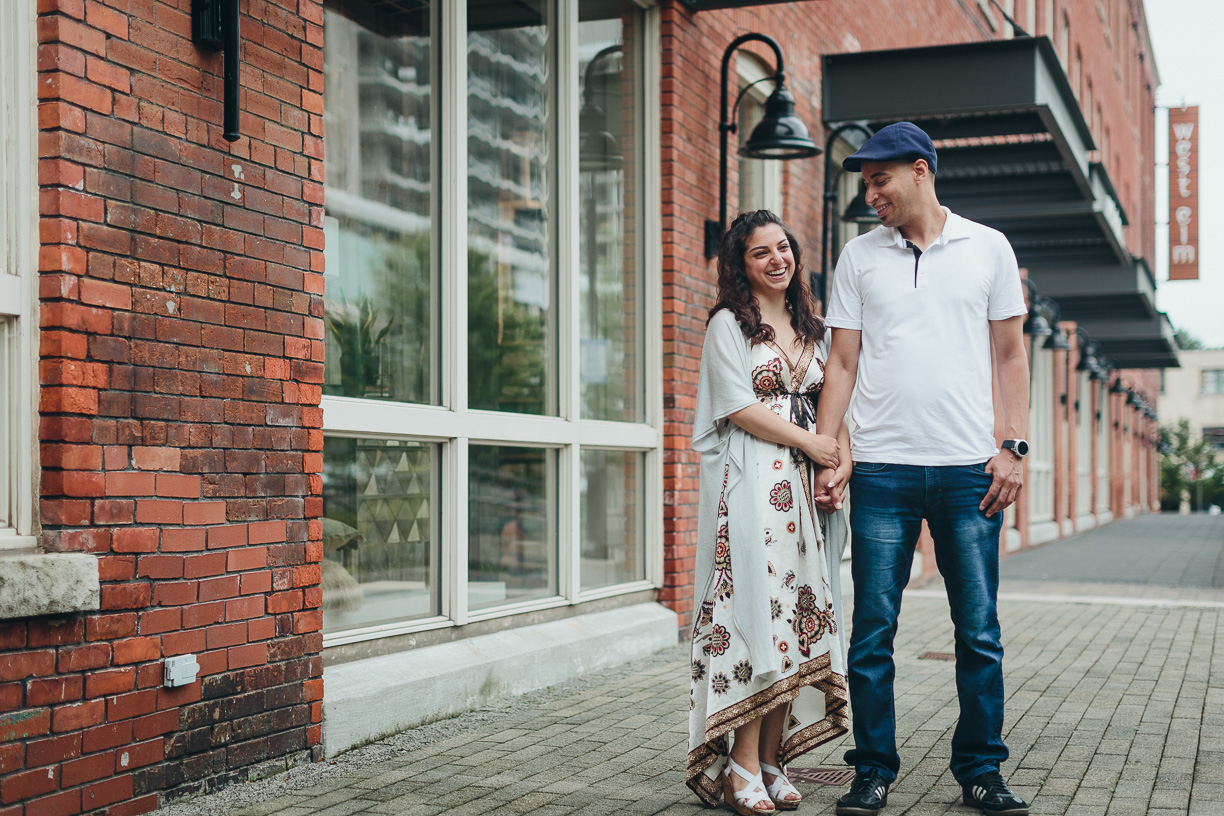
768 651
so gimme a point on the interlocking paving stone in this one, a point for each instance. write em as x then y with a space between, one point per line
1115 706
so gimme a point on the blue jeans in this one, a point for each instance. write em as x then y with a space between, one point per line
887 505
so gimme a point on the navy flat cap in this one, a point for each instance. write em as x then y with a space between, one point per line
900 141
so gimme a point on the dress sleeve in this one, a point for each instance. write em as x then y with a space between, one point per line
725 385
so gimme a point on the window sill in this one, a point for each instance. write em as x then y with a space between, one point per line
33 584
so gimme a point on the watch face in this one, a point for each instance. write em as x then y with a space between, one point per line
1017 446
1022 447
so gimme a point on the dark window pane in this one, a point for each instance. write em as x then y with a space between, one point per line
609 280
613 537
512 529
511 291
380 531
381 301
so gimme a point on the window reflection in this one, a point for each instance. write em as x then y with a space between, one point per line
613 550
380 304
380 531
512 540
511 310
609 283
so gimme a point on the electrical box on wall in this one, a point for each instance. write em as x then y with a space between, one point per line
181 670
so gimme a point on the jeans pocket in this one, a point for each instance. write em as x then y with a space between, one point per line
870 467
980 467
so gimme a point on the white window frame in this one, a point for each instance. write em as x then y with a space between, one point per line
1083 511
1041 461
456 427
18 270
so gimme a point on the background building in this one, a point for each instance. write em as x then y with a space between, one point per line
384 408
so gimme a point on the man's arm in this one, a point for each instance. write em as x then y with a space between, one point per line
1007 337
841 371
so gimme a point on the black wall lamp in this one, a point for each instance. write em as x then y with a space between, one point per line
779 135
216 25
858 211
598 149
1091 359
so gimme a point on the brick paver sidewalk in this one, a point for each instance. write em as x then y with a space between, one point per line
1115 708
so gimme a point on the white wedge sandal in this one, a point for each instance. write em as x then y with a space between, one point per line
754 793
780 788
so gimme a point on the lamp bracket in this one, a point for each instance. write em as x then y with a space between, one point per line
216 26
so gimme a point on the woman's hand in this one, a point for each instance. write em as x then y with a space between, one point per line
823 450
830 486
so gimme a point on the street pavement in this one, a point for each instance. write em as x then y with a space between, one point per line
1114 672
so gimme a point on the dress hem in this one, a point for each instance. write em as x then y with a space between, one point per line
817 673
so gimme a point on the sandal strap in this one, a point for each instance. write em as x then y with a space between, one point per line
781 786
755 791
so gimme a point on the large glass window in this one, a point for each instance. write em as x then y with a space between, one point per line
512 525
609 282
612 519
1213 381
511 184
381 301
380 531
488 443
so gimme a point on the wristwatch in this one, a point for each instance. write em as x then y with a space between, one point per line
1019 447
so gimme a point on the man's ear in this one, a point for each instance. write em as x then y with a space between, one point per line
921 170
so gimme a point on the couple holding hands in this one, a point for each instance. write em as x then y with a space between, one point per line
925 313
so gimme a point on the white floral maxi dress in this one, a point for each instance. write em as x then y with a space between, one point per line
725 691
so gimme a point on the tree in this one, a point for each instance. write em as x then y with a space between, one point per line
1187 341
1188 468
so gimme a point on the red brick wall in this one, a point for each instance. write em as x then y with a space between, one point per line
692 45
181 363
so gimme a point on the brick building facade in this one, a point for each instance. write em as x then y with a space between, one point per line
170 295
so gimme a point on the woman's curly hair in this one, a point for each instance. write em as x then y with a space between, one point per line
735 294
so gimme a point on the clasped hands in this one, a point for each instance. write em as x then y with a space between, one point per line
832 474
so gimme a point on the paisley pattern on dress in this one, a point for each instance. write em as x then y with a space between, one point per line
728 690
811 622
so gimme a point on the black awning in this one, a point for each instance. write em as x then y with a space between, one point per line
1110 292
1147 343
1013 145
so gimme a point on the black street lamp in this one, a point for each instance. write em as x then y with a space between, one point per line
855 212
779 135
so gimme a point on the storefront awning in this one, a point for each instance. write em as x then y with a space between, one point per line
1145 343
1013 145
1087 292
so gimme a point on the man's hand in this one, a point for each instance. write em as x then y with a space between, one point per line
1007 475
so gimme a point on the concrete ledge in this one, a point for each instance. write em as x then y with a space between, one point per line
47 584
367 700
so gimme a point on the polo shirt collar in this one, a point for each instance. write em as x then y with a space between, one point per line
955 228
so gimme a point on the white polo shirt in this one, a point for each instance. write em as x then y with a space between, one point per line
924 378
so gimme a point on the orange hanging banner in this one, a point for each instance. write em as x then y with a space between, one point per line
1183 193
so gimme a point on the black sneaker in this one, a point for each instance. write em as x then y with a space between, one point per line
868 794
989 792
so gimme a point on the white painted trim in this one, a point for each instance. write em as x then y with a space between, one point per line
652 287
385 630
348 416
12 294
19 246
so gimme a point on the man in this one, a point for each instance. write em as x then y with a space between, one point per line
919 305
